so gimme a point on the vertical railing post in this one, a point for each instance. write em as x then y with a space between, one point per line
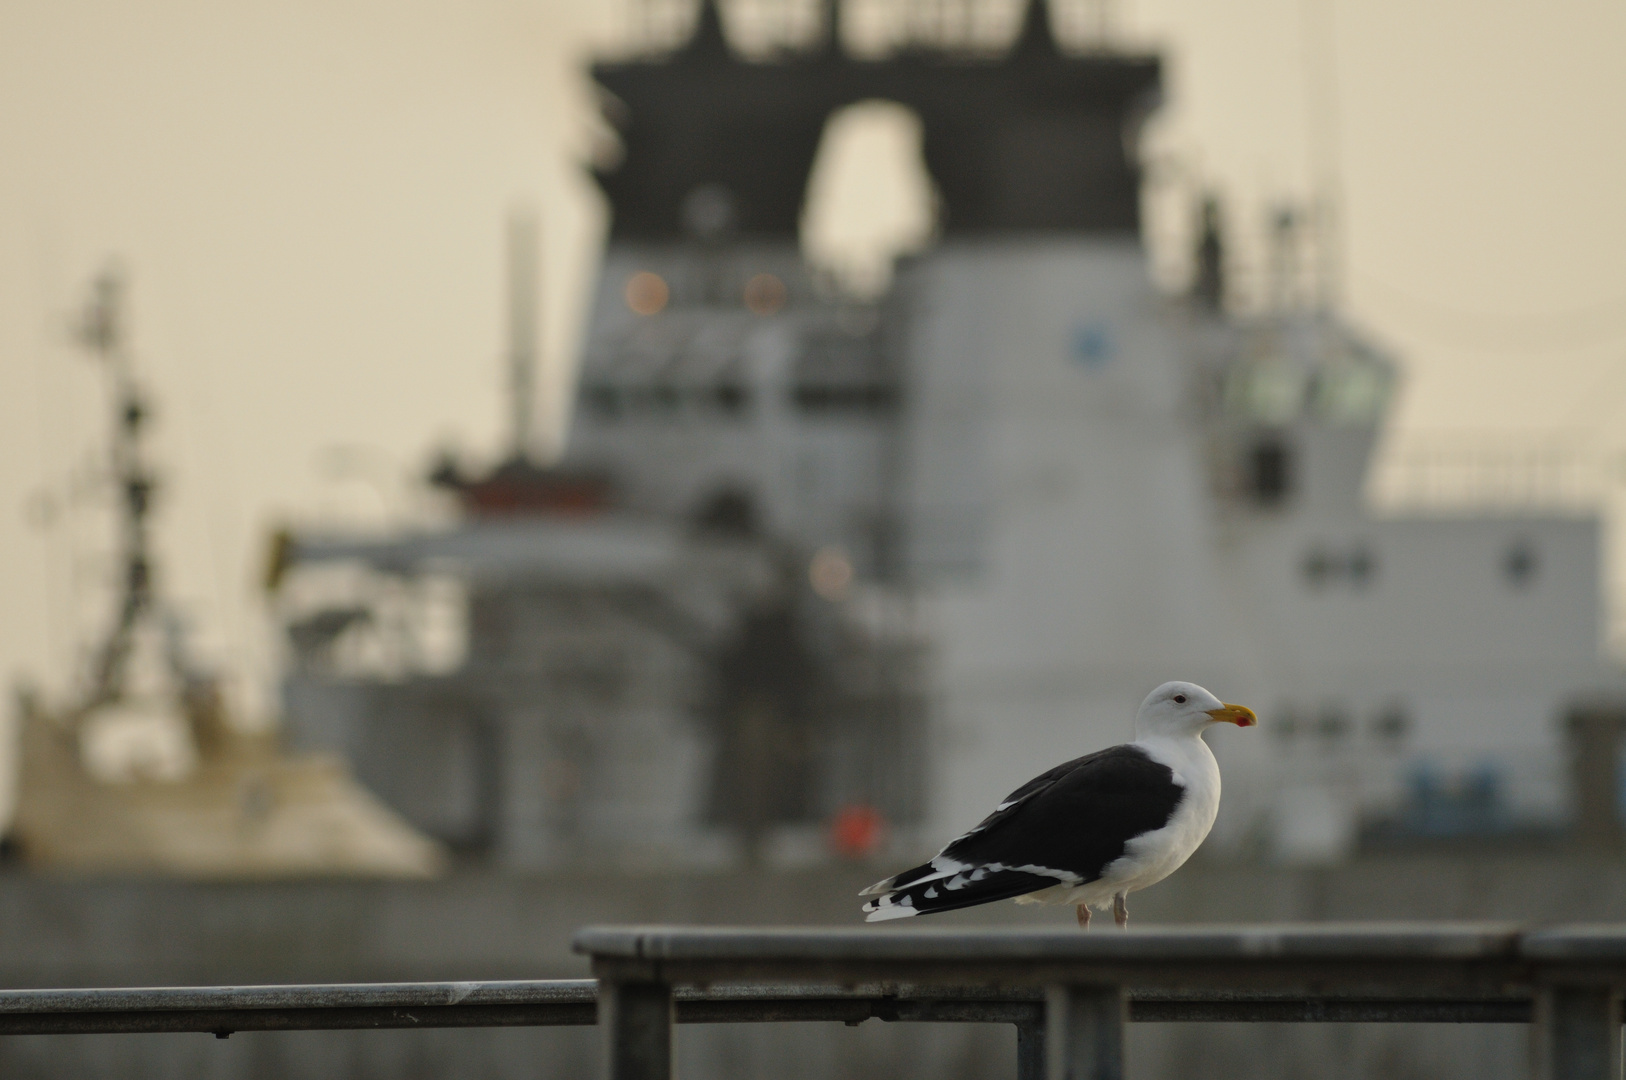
1031 1062
1577 1033
636 1021
1085 1032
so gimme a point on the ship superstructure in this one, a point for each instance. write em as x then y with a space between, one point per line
808 557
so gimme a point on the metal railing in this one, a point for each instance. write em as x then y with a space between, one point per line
1549 472
1567 982
225 1010
1067 994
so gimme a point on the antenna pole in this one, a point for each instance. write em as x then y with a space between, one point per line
101 331
523 280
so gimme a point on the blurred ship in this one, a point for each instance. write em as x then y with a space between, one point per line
809 560
140 770
824 577
636 685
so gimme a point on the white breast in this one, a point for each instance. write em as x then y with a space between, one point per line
1153 856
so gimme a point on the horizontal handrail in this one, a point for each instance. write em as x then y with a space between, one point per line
1568 982
574 1002
1374 960
1227 944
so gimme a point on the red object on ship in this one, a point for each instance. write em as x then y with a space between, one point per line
856 831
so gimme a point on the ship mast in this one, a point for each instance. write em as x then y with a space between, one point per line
101 331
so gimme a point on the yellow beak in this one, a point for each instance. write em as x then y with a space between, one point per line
1240 715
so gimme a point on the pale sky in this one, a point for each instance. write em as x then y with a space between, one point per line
309 199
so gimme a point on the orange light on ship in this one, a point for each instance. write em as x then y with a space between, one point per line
647 293
765 294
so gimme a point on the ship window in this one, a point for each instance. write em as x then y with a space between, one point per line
1519 564
1392 725
1333 724
664 397
1360 568
731 398
870 398
602 400
1270 471
728 511
1317 569
1356 568
842 372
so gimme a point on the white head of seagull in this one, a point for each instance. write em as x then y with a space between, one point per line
1185 709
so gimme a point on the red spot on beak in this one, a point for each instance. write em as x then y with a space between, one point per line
1240 715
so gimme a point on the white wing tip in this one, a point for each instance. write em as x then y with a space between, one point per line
890 911
889 908
879 887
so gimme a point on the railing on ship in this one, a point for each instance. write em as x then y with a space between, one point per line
1483 472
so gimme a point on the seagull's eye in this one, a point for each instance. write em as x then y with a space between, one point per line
1179 699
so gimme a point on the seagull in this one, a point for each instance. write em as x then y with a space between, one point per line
1088 832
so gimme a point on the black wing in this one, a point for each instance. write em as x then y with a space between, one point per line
1064 826
1077 817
